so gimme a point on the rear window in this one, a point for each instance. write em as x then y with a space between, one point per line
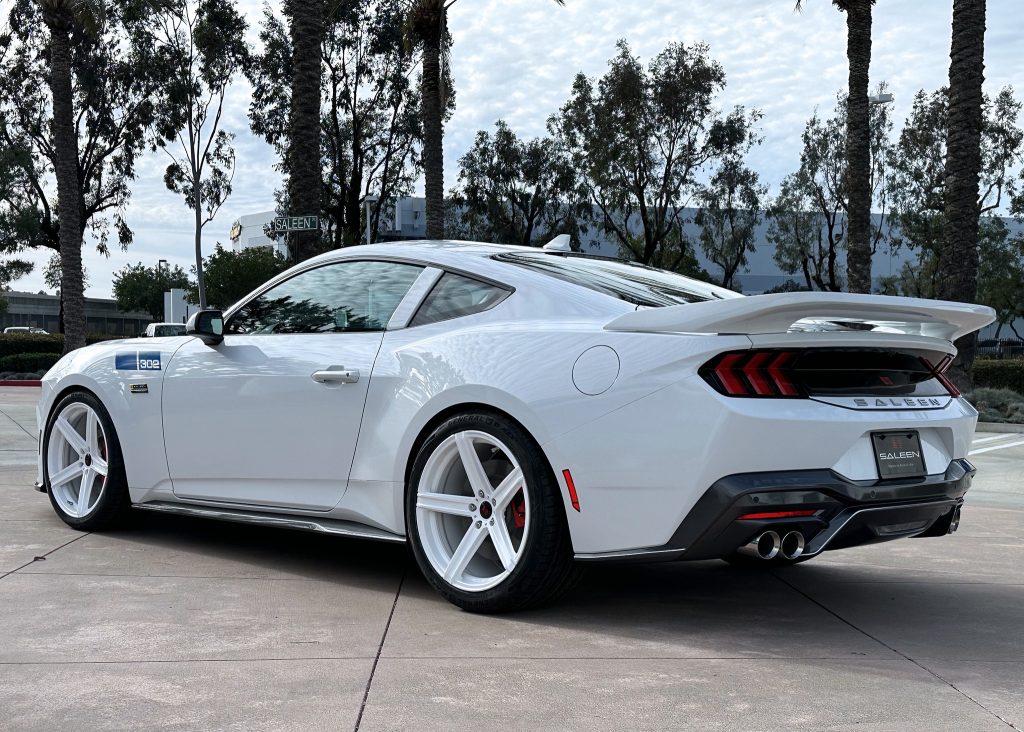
634 283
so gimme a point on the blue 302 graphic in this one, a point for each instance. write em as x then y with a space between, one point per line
137 361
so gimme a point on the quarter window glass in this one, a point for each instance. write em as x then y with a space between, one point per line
336 298
454 296
634 283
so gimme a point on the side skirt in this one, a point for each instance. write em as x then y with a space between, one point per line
334 527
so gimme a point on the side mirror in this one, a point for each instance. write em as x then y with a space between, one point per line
207 325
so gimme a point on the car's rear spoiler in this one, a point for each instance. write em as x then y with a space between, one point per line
781 312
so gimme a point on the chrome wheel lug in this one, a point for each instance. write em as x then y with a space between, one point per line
479 524
472 507
480 493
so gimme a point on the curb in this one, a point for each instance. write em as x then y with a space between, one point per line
999 427
25 382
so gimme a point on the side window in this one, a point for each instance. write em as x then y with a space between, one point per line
454 296
335 298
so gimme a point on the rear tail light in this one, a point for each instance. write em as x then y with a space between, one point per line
939 372
753 374
811 372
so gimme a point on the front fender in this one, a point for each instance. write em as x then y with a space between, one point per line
136 414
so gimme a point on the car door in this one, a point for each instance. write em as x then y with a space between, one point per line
270 416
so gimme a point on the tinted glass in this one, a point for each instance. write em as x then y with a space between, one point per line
633 283
336 298
454 296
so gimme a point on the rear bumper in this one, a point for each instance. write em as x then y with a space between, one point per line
847 512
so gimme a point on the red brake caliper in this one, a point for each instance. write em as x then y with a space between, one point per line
519 511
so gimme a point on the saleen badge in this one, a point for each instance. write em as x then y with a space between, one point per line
139 388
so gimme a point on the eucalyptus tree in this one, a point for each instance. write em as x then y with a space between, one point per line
808 223
61 64
519 191
369 127
426 30
197 48
919 186
643 137
858 141
961 211
730 211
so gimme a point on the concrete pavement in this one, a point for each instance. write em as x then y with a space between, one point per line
186 624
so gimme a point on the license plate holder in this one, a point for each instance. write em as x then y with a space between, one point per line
898 454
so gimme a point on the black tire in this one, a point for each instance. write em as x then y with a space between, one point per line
546 568
113 506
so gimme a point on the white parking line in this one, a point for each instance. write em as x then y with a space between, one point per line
1007 436
996 447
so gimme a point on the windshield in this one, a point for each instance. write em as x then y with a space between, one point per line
634 283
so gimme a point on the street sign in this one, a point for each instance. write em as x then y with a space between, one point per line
296 223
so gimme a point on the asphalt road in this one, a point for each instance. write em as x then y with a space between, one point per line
186 624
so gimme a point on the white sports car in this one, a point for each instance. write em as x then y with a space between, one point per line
508 410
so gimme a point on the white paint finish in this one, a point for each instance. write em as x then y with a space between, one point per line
414 297
595 370
858 463
778 313
246 423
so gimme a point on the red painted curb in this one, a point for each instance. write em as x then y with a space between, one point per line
26 382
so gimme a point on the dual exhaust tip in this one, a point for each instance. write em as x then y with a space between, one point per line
769 545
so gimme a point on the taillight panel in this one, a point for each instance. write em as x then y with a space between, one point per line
803 373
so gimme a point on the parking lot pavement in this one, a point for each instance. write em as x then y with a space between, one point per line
184 624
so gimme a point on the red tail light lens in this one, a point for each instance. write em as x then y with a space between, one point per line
939 372
753 374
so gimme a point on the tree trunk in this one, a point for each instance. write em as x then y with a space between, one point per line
433 130
958 279
200 279
304 174
858 147
69 187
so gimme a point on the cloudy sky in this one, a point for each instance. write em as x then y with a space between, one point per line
515 59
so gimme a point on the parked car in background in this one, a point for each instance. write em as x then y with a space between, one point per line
25 329
157 330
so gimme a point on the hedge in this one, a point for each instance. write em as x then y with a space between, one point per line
1000 374
16 343
28 361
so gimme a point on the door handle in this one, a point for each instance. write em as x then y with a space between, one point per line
336 375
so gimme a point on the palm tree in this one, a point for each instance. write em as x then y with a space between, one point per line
858 142
303 157
62 17
426 28
959 275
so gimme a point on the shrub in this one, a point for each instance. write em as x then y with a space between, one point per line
999 374
15 343
21 376
28 361
998 405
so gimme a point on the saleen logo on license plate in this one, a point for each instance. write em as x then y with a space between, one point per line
898 454
137 361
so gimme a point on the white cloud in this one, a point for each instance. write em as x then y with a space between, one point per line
515 59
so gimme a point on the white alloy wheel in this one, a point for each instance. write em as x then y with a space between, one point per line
472 511
76 460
